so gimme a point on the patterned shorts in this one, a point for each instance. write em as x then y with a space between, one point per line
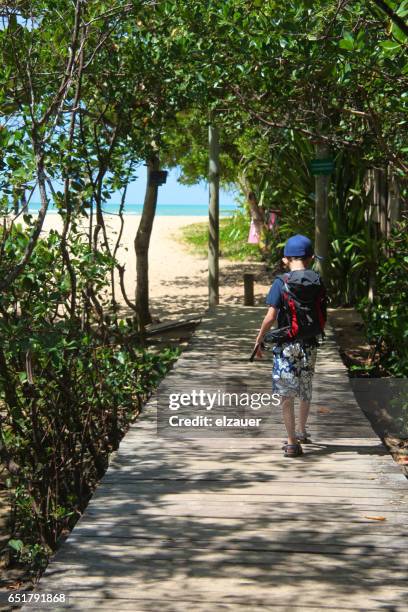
292 370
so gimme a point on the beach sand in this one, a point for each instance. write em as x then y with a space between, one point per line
178 278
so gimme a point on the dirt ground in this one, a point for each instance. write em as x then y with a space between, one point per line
349 329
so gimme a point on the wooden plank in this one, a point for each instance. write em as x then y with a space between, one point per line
299 540
212 582
332 447
227 529
247 475
229 564
181 605
86 602
244 490
316 511
172 459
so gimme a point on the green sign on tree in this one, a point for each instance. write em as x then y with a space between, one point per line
321 166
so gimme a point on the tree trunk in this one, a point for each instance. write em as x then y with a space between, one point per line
213 216
142 241
257 215
382 201
322 214
372 218
255 210
394 200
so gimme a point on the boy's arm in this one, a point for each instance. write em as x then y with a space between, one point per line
267 323
273 300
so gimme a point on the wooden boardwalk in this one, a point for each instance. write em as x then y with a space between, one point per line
229 523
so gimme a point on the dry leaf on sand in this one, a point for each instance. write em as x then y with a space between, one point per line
324 410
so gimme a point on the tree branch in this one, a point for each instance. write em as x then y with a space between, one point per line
392 15
18 268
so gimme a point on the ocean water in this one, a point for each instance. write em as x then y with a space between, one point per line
172 210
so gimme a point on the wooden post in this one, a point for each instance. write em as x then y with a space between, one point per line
213 220
322 213
249 289
394 204
382 201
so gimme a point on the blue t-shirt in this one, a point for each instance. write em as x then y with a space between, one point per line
274 298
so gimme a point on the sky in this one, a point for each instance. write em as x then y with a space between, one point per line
173 192
170 193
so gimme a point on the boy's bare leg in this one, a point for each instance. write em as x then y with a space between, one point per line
288 411
304 407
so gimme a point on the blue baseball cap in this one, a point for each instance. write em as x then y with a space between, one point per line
299 246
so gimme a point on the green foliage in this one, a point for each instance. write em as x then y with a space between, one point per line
31 555
233 238
353 239
81 104
387 317
69 387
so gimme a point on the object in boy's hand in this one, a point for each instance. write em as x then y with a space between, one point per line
254 352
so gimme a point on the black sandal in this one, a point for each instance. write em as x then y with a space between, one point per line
303 438
292 450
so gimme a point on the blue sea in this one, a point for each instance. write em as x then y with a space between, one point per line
172 210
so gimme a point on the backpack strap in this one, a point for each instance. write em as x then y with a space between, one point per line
288 307
284 278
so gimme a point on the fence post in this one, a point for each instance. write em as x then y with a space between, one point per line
249 289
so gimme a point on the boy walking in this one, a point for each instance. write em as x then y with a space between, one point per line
297 300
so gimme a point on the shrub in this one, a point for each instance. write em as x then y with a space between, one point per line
70 384
233 237
387 317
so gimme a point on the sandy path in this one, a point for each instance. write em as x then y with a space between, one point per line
178 278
